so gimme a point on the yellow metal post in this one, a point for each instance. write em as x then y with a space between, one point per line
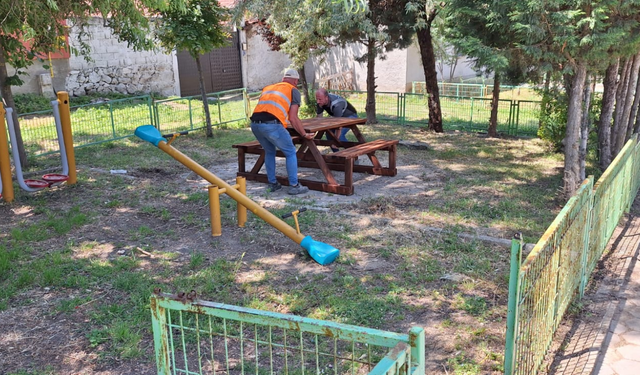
234 194
241 182
214 207
65 122
5 163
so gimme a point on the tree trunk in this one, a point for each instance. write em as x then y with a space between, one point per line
610 83
370 106
634 107
619 108
493 118
305 86
205 101
7 95
574 114
584 130
628 103
431 76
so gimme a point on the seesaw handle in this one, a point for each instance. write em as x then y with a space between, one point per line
284 216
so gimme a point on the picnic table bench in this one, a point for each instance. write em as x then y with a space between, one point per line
309 156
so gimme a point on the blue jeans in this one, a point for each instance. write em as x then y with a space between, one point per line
272 136
343 133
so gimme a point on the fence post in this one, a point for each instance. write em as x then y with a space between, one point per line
219 109
512 309
247 104
150 105
586 238
160 336
417 342
113 123
190 114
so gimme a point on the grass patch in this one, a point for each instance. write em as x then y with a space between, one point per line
79 244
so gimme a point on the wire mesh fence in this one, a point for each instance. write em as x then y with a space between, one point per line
556 271
110 120
91 124
200 337
187 113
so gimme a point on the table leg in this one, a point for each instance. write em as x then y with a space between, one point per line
241 160
320 160
259 164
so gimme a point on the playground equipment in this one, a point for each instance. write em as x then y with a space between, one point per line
319 251
62 117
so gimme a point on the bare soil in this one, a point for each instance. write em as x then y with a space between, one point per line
34 335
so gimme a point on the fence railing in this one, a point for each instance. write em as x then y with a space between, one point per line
187 113
116 119
515 117
556 271
111 120
91 124
192 336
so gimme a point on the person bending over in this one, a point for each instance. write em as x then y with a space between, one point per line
277 105
335 106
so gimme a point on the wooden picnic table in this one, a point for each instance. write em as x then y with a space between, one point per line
309 156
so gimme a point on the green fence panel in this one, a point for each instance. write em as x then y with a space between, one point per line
187 113
39 132
557 269
91 124
197 337
611 197
548 280
387 104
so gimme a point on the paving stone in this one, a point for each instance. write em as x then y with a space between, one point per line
632 337
632 323
626 367
606 370
634 312
629 352
620 329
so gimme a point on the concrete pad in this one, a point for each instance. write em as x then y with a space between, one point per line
626 367
631 352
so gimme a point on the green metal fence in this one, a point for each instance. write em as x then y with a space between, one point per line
91 123
116 119
475 90
515 117
558 268
179 114
192 336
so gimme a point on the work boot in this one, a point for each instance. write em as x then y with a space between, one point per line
297 189
274 187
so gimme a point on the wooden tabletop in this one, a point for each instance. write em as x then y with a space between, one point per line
316 124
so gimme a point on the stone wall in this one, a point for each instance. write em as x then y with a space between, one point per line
114 67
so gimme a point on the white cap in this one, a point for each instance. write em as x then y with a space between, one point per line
291 73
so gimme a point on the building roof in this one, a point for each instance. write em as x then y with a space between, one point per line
227 3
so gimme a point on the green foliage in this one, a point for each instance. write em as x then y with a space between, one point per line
43 23
26 103
310 29
197 28
553 119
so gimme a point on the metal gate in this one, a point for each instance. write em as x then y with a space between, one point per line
221 69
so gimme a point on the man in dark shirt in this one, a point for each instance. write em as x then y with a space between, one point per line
335 106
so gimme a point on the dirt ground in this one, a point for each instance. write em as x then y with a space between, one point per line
34 336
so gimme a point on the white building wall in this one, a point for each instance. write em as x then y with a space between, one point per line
262 66
117 68
390 73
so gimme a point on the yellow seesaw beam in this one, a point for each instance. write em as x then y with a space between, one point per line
319 251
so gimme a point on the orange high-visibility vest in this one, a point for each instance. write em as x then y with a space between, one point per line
276 100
